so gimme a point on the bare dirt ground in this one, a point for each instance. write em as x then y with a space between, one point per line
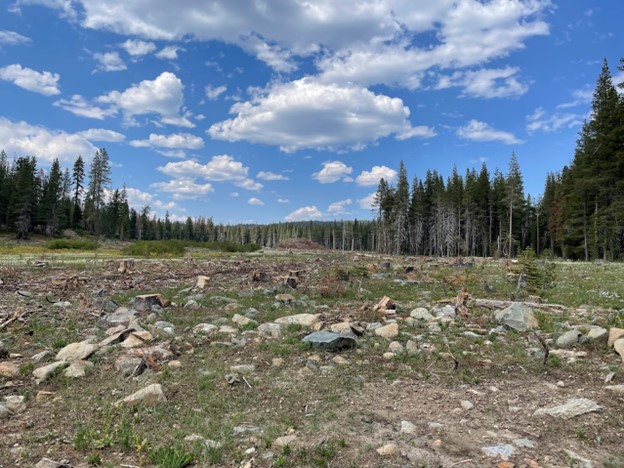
418 385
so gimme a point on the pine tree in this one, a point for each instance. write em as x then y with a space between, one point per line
78 181
99 181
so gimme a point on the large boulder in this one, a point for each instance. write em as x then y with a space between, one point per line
518 317
329 341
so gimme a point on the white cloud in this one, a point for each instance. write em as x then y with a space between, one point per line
23 139
137 48
538 121
214 93
307 114
162 96
45 83
102 134
274 56
78 105
183 188
368 201
421 131
249 184
169 52
234 194
255 201
109 61
12 38
283 200
480 131
372 177
270 176
176 140
332 172
581 97
339 207
304 213
486 83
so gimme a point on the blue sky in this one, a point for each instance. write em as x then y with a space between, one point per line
277 110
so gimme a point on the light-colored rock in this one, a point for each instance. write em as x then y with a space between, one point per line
615 334
618 389
517 316
412 347
122 315
4 412
77 351
579 461
150 395
568 339
43 396
8 369
42 374
77 369
286 298
132 341
15 403
166 327
503 451
618 345
243 368
277 362
466 405
421 313
205 328
271 329
145 302
597 333
408 428
47 463
228 330
175 365
388 450
284 441
43 356
448 311
396 348
305 320
388 331
340 361
570 409
201 282
241 320
344 328
130 366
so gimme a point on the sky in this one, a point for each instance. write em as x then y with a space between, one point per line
283 110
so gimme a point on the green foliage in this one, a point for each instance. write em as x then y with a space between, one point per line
170 457
72 244
176 248
539 275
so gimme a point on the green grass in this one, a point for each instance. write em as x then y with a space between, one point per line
72 244
177 248
171 457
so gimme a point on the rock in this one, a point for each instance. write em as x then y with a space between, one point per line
228 330
222 300
285 298
201 281
231 307
503 451
305 320
126 265
150 395
175 365
47 463
4 412
243 369
615 334
447 311
158 353
517 316
76 351
8 369
421 314
579 462
597 333
145 302
44 373
15 403
246 429
388 331
568 339
388 450
191 304
344 328
232 379
396 348
122 315
205 328
467 405
408 428
340 361
619 389
412 347
271 329
77 369
570 409
62 304
136 339
329 341
618 345
46 355
43 396
168 328
241 320
284 441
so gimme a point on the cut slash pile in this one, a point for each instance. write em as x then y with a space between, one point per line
280 358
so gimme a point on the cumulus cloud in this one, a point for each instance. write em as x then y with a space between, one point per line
102 134
539 121
183 188
109 61
368 202
162 96
481 131
213 93
581 97
168 52
305 213
176 140
12 38
137 48
264 175
78 105
332 172
255 202
486 83
307 114
372 177
420 131
339 207
45 83
23 139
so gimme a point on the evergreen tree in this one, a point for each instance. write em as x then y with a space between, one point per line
99 181
78 185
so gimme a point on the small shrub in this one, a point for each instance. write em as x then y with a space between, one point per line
72 244
170 457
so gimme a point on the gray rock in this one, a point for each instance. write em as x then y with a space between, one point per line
77 369
517 316
408 428
579 462
145 302
76 351
223 300
42 374
251 313
447 311
130 366
396 348
329 341
205 328
4 412
243 369
47 463
271 329
248 429
388 331
15 403
568 339
305 320
421 314
166 327
597 333
150 395
467 405
570 409
503 451
123 315
191 304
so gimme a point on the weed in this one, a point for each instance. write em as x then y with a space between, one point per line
94 459
72 244
581 433
170 457
26 368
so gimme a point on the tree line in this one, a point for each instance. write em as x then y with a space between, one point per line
579 216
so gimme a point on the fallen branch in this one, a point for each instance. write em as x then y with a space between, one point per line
497 304
12 319
544 345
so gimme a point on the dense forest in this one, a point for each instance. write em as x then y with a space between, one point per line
579 216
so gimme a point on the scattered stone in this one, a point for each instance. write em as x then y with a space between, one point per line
232 378
615 334
579 461
231 307
412 347
285 298
246 429
568 339
15 403
524 443
503 451
122 315
389 355
329 341
228 330
241 320
618 345
385 304
448 311
340 361
388 450
396 348
205 328
117 337
388 331
4 412
43 396
305 320
619 389
517 316
284 441
76 351
277 362
62 304
271 329
191 304
344 328
597 333
77 369
201 281
47 463
467 405
421 313
166 327
8 369
243 369
570 409
569 355
44 373
145 302
150 395
408 428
